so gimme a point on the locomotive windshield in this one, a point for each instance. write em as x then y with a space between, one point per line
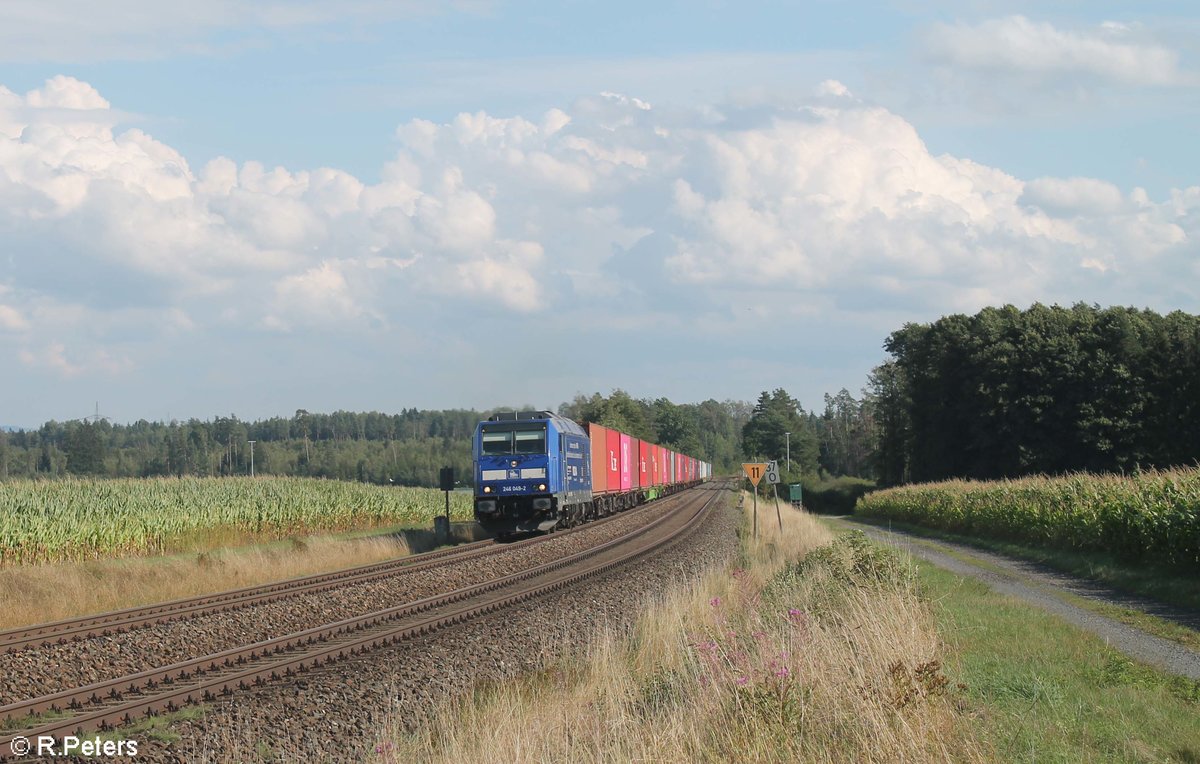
504 440
530 442
497 442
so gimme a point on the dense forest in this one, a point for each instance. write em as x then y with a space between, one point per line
1011 392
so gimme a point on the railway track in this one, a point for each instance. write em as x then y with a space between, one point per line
129 698
118 621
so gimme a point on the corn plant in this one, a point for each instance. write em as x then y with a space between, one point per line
77 519
1152 515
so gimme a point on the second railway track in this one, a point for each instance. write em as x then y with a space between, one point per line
127 698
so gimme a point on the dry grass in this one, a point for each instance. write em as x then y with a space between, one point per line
831 659
39 593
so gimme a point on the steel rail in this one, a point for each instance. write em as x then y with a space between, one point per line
347 636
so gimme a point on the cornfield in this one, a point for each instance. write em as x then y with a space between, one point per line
1152 515
50 521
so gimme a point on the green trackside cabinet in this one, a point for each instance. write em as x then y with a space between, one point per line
795 493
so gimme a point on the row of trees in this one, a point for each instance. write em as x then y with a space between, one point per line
1003 393
408 448
1011 392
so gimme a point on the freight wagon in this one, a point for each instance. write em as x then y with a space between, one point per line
537 471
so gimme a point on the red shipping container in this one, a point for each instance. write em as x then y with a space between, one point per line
614 460
654 465
598 436
634 473
645 462
627 458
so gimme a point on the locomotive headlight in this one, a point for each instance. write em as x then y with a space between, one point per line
487 489
541 486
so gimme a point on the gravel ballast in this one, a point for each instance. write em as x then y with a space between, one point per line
44 670
335 714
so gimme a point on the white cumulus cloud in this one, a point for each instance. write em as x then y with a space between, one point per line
606 216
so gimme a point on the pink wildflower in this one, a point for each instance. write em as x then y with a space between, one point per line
741 681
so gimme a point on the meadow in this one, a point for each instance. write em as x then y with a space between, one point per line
44 521
1148 516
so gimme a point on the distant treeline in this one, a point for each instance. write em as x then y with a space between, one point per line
1003 393
1011 392
410 447
406 448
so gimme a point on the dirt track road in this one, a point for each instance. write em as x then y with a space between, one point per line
1048 590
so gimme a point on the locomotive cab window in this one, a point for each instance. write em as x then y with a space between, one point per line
511 440
497 442
530 442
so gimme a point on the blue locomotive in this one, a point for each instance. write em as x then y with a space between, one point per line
532 472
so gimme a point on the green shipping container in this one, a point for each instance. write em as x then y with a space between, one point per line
794 493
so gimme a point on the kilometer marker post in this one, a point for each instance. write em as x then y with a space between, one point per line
773 478
755 471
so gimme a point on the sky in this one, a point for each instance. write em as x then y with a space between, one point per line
251 208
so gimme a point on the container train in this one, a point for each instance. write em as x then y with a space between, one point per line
537 471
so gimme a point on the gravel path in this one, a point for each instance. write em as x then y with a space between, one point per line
1045 588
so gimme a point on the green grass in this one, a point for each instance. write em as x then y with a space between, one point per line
157 727
1046 691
